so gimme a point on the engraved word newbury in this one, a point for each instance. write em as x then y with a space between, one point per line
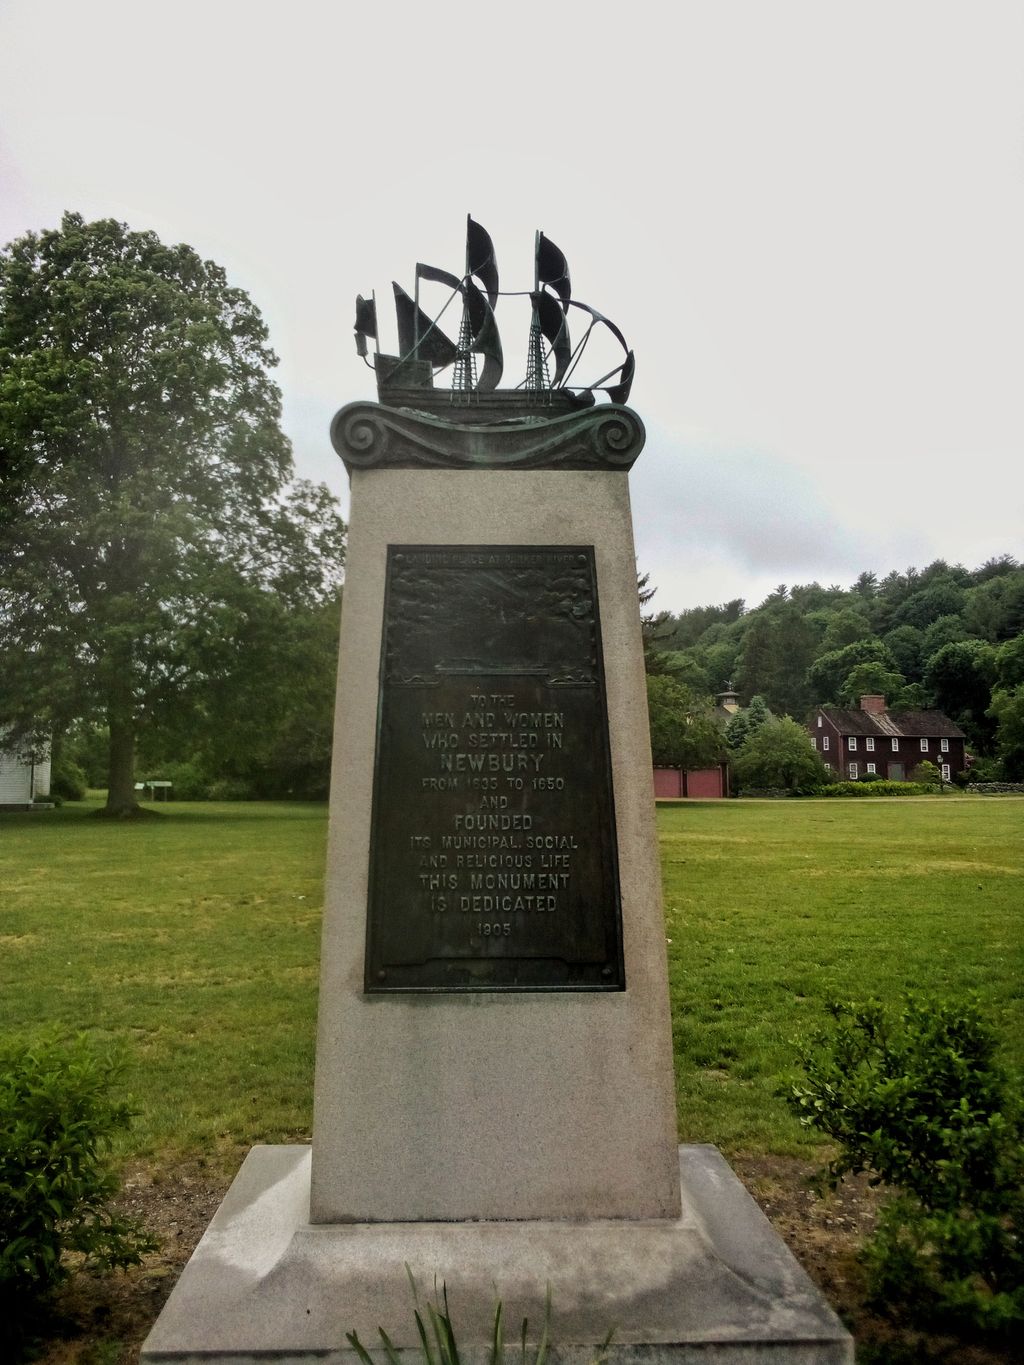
493 864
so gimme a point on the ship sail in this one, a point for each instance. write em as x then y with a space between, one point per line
481 260
366 322
619 393
366 316
552 268
483 335
486 341
553 327
419 337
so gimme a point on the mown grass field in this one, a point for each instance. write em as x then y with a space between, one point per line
773 908
192 941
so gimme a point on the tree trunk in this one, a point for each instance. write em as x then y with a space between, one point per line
121 774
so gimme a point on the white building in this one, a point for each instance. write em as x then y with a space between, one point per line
22 780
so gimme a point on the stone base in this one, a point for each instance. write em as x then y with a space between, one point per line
718 1284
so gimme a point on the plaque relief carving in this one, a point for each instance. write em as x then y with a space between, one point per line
493 857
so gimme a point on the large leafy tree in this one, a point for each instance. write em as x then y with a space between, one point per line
684 733
1007 710
960 677
743 723
873 679
829 671
150 536
779 754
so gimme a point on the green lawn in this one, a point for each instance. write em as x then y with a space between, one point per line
193 940
772 908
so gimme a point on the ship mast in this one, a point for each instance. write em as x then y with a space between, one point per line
537 378
464 373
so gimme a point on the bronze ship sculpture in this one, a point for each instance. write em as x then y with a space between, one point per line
476 358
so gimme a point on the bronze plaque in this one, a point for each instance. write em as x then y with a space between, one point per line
493 857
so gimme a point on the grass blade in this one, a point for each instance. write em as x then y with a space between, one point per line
453 1349
542 1345
393 1357
602 1350
498 1336
359 1348
439 1334
412 1285
428 1354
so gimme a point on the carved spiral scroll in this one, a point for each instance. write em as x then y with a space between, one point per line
372 436
617 436
358 435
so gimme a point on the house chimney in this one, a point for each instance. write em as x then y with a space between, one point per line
875 705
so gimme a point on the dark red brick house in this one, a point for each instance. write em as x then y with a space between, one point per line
873 739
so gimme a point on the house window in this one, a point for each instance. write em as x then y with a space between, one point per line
824 742
924 746
945 772
869 744
944 745
828 767
851 742
871 767
895 746
854 772
819 722
814 742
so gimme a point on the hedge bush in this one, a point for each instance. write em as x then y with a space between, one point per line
881 788
917 1097
67 781
57 1118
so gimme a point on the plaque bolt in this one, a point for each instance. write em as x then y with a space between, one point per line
606 971
382 975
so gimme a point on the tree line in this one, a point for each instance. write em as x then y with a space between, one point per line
942 637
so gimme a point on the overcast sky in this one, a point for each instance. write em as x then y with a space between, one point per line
808 219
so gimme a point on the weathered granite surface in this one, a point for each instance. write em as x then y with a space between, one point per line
554 1105
716 1284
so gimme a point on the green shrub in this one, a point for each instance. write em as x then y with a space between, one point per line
925 774
918 1099
57 1117
229 789
870 777
188 781
778 754
883 787
67 781
985 770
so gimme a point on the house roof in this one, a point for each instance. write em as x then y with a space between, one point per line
899 724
